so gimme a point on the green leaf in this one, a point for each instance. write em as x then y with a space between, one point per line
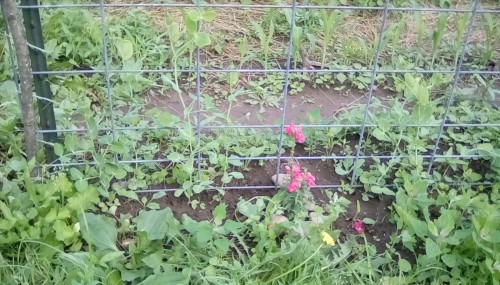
166 278
198 188
173 32
154 223
234 160
417 226
222 244
194 15
113 278
99 231
236 175
92 127
110 256
382 190
17 165
226 178
166 119
209 15
203 236
404 265
154 260
175 157
219 213
202 39
381 136
81 185
449 259
125 49
431 248
63 231
75 174
233 226
368 221
58 149
341 77
191 26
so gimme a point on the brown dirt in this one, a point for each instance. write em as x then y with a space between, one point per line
330 103
376 208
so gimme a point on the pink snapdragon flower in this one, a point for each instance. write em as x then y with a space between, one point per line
310 179
298 177
295 132
358 226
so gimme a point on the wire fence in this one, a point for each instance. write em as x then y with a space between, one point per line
52 134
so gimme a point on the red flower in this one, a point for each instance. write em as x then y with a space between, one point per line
299 137
290 130
358 226
293 186
311 181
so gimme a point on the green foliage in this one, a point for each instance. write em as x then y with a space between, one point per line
63 228
45 212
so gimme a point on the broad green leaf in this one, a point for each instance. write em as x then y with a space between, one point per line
158 195
222 244
233 226
98 230
63 231
341 77
449 259
204 235
154 260
198 188
75 174
125 49
194 15
58 149
81 185
237 175
114 278
110 256
154 223
226 178
166 119
417 226
404 265
191 26
175 157
368 221
209 15
431 248
234 160
219 213
92 128
422 114
202 39
382 190
173 32
18 165
166 278
381 136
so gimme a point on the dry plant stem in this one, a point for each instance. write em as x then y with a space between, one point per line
25 78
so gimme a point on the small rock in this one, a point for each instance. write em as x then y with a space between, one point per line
277 219
279 179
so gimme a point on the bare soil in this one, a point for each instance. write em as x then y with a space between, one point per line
330 103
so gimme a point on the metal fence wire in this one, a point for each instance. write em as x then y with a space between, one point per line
119 143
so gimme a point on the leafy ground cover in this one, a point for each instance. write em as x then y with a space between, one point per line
96 221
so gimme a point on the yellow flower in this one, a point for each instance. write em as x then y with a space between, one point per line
327 238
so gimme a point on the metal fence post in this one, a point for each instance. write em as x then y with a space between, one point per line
34 36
